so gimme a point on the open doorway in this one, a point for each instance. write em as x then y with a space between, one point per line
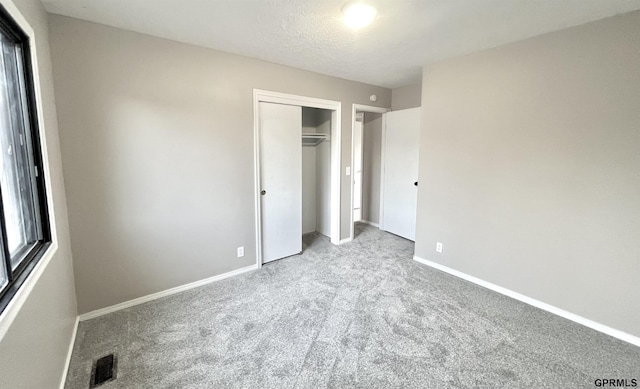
367 152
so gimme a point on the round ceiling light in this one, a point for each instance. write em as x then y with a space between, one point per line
358 14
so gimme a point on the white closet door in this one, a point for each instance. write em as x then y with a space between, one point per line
280 180
401 172
357 172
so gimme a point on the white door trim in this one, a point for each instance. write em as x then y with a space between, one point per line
336 117
364 108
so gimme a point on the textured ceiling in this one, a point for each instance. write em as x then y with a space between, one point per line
309 34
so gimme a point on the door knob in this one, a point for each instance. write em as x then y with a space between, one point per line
415 183
263 192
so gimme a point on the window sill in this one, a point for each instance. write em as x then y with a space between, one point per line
22 294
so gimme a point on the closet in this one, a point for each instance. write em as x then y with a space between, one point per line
295 176
316 171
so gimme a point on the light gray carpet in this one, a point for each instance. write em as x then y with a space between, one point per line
360 315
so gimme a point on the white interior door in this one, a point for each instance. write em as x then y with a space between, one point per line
401 172
280 129
357 172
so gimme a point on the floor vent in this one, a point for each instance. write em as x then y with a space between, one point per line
104 370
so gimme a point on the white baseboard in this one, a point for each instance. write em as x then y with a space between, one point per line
536 303
69 353
370 223
164 293
345 240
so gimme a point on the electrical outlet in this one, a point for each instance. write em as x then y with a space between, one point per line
348 170
439 247
240 251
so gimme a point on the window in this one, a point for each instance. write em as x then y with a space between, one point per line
24 222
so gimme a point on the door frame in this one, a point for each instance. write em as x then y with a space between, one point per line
336 117
366 108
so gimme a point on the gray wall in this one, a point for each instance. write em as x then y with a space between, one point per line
157 138
529 157
406 97
371 157
34 349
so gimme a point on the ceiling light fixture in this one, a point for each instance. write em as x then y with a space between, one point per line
358 14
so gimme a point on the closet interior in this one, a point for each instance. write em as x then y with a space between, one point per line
316 171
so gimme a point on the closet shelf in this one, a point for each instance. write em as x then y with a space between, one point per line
313 139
